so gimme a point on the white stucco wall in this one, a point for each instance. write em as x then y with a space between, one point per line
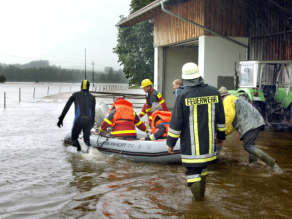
217 57
158 68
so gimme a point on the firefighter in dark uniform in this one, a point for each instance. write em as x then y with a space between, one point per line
84 114
153 96
197 119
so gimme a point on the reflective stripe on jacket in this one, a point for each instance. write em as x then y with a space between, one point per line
197 119
124 112
165 119
122 119
153 96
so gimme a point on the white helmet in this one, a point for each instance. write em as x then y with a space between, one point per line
101 110
190 71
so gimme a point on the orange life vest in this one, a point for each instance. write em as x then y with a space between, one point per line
124 111
164 116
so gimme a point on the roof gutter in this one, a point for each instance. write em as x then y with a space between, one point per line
280 7
140 12
198 25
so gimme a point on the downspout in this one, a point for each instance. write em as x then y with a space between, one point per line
204 28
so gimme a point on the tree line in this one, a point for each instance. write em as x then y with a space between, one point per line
54 74
135 47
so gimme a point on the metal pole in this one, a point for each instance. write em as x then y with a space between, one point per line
48 91
60 89
70 88
33 92
85 64
19 94
4 100
92 72
279 6
235 77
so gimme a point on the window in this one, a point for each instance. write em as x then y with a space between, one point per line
246 75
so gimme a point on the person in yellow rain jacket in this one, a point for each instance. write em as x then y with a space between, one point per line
240 115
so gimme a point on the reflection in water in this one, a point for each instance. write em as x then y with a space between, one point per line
42 178
119 188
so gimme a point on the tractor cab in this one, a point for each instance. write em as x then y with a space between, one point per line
267 85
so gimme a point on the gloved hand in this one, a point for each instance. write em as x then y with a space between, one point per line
60 123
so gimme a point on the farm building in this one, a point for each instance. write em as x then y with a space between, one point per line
215 34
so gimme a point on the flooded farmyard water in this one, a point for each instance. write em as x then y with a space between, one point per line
41 177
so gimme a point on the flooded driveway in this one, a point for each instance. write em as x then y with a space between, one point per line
118 188
41 177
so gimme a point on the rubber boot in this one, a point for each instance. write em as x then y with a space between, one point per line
203 185
252 158
218 148
264 157
88 146
76 144
196 190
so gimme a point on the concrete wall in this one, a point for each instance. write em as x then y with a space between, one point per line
217 57
158 68
174 59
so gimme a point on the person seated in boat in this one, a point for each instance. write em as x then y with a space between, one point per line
122 119
159 123
177 86
152 96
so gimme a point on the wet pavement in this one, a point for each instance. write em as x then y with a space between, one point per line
41 177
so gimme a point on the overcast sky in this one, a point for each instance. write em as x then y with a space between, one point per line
60 31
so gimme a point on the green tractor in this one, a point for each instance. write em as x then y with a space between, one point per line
267 85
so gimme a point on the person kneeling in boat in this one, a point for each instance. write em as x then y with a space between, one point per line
159 121
122 119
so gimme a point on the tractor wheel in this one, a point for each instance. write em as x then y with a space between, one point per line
274 127
287 113
261 109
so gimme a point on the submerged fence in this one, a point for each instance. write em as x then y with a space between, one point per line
94 88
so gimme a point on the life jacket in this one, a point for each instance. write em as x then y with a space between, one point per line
164 116
124 111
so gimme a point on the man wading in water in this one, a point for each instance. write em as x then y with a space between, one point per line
197 119
84 114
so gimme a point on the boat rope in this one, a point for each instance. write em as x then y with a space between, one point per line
102 142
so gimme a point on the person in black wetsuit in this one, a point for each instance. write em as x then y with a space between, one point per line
84 114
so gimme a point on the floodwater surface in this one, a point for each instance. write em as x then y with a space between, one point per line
41 177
